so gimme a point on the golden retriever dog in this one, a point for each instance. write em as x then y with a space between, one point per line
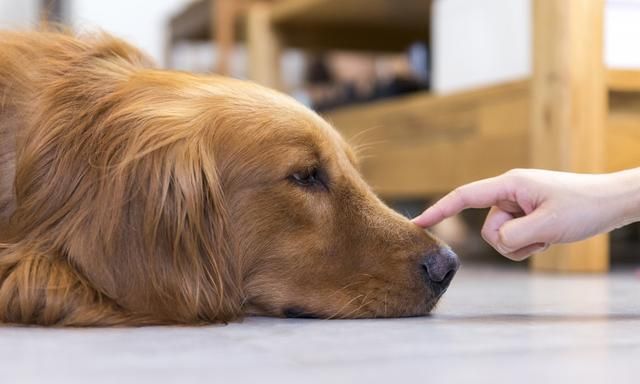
131 195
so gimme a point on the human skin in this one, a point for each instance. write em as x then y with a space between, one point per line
532 208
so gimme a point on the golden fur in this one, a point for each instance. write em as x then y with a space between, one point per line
131 195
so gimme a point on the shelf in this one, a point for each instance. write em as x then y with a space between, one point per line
379 25
623 80
193 23
372 25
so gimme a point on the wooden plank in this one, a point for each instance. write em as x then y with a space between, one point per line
353 38
568 110
424 145
435 167
352 24
623 80
394 13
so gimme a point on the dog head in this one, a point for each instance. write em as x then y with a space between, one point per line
310 236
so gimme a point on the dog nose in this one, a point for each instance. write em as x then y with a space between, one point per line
440 266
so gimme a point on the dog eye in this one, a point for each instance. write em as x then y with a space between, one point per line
307 178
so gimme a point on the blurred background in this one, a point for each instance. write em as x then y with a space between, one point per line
434 93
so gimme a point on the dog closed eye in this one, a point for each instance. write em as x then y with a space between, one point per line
310 177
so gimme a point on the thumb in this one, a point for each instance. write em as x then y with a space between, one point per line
526 230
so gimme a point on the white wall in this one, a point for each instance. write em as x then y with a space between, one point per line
622 37
482 42
18 13
142 23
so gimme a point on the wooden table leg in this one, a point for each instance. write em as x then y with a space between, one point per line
223 20
263 46
569 109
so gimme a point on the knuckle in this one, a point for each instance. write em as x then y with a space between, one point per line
516 173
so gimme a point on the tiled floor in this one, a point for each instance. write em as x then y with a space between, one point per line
492 327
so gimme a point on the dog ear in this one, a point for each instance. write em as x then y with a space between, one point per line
137 211
162 229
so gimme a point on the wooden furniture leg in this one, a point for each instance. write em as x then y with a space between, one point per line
263 46
568 111
223 28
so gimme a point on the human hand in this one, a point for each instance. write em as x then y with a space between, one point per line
531 208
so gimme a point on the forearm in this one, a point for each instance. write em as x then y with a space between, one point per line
625 196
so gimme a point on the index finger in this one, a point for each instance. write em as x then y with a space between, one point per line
479 194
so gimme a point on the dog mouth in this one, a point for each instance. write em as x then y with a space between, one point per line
424 309
432 294
296 312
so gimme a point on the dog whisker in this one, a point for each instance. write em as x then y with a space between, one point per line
360 135
361 150
344 306
364 304
345 287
